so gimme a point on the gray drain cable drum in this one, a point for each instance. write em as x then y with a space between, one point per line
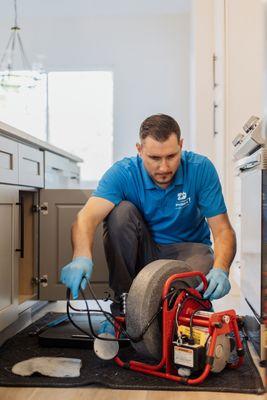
144 299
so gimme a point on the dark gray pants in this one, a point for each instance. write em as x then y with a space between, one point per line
129 247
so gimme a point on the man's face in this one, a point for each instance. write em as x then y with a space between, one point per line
161 159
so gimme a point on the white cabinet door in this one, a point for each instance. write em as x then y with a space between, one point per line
9 217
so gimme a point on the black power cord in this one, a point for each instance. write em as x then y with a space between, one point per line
189 296
109 316
207 308
92 333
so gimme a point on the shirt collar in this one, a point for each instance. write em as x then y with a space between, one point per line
150 184
179 175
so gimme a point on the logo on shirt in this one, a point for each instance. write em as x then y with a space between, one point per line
182 200
181 196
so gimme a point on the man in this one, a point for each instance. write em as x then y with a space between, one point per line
160 204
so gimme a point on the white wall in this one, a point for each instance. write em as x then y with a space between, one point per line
148 53
201 88
244 85
244 71
233 30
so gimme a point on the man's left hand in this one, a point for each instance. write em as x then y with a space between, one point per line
218 284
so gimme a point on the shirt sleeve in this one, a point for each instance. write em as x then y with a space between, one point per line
210 197
112 185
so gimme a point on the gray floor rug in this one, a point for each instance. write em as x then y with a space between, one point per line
96 372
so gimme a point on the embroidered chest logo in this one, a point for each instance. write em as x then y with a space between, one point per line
182 200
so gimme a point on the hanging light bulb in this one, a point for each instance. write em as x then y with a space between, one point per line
11 78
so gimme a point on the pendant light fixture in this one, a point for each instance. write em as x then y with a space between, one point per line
14 75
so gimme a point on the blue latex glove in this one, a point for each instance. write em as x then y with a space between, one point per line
73 273
218 284
106 327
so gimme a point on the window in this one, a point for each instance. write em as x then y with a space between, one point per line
25 108
80 108
72 110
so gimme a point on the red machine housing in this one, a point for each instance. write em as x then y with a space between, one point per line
219 323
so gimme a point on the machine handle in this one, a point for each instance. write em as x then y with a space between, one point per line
182 275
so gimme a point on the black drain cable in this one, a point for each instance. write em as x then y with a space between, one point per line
109 316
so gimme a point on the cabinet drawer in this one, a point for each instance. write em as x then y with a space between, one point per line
8 161
55 163
74 174
60 172
31 166
56 171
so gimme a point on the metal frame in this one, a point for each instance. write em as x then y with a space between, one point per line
220 323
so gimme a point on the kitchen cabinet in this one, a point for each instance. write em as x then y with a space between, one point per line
60 172
8 161
31 166
9 256
60 210
39 200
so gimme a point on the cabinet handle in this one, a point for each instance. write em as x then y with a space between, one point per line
57 169
21 204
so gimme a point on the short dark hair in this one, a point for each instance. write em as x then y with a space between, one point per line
159 127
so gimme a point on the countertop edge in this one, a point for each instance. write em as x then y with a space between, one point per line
14 133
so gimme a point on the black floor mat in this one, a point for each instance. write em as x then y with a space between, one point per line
94 371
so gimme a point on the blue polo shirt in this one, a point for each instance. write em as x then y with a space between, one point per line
177 213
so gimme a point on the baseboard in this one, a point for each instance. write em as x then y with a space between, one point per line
24 319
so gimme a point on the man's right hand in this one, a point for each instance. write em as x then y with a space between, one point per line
73 273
